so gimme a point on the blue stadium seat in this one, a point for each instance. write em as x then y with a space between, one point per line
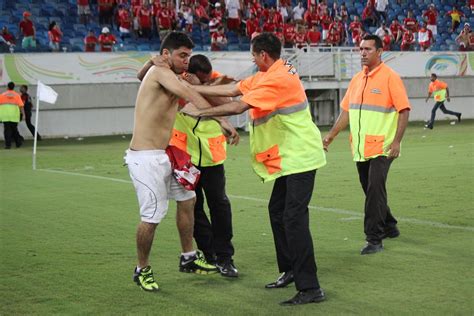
144 47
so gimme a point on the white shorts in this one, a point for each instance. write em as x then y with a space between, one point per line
325 34
150 171
433 29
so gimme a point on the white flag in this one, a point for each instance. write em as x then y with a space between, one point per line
46 93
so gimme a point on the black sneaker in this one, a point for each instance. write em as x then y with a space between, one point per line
429 126
228 269
371 248
305 297
196 264
392 232
459 117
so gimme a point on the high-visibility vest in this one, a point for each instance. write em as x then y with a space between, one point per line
374 100
10 103
283 137
438 88
201 138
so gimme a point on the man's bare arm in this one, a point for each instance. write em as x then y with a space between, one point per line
227 90
231 108
155 60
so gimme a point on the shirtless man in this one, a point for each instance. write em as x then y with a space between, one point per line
149 166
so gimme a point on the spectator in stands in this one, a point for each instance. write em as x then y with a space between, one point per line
233 15
28 107
387 40
124 22
54 36
314 35
106 40
298 13
380 32
289 31
368 16
83 11
106 11
300 37
344 14
219 40
431 17
188 16
381 10
325 20
339 27
322 7
410 23
145 18
251 25
311 17
279 34
356 28
7 40
283 10
407 40
214 25
464 39
90 41
397 31
27 29
455 15
334 38
425 37
202 16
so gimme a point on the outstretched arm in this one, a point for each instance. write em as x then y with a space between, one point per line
231 108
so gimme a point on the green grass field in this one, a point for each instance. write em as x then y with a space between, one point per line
67 235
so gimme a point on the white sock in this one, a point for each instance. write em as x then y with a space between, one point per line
138 269
188 255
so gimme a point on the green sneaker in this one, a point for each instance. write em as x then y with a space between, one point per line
196 264
145 279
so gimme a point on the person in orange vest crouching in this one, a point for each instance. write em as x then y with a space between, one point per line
11 105
286 146
204 140
377 108
440 91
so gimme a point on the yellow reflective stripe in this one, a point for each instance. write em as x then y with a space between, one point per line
370 107
283 111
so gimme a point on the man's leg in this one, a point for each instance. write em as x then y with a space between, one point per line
296 220
16 135
185 223
202 226
7 134
145 235
446 111
433 114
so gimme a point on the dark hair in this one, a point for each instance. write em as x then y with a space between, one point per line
51 25
375 38
24 86
199 63
267 42
434 75
175 40
11 85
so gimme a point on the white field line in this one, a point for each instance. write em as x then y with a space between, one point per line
318 208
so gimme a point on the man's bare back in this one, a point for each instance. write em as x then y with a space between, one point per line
155 112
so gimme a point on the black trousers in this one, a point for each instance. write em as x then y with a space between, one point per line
30 126
440 105
373 178
213 237
289 218
10 132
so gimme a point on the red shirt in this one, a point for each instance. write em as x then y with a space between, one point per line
105 4
106 42
334 38
289 32
8 37
355 28
217 13
269 27
54 35
408 38
124 19
90 42
144 18
300 38
431 17
326 20
251 26
367 13
164 19
395 27
311 18
387 40
314 37
411 24
83 2
27 28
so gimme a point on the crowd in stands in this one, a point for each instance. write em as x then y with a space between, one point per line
107 25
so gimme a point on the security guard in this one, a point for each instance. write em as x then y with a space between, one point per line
10 107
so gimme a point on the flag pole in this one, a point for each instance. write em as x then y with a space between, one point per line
36 127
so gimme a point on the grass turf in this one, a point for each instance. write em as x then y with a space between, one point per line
67 241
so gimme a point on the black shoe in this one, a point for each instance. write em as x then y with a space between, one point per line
459 117
284 279
429 126
8 147
370 248
392 232
305 297
228 269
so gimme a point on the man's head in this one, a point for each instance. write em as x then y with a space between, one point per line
176 48
201 67
266 49
91 33
433 77
11 85
24 88
371 49
105 30
26 15
356 18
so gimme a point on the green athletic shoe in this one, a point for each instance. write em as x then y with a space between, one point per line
196 264
145 279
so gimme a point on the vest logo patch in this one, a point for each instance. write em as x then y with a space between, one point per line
376 91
